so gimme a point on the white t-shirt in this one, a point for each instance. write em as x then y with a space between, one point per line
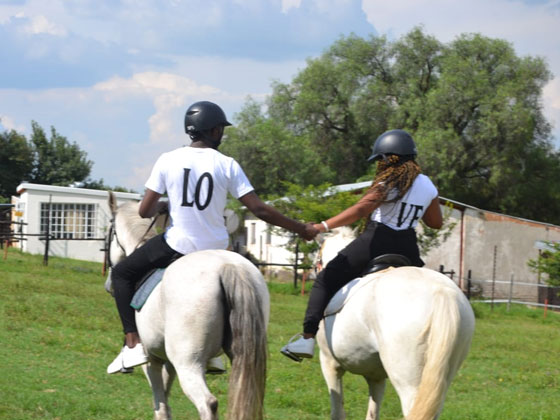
406 212
197 181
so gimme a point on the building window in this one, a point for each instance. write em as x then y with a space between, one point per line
268 235
253 234
68 220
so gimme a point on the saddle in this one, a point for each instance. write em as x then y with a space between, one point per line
380 263
148 283
385 261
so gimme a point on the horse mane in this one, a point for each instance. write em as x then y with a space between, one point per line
344 232
136 227
333 242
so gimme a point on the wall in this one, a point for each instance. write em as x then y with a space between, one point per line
492 246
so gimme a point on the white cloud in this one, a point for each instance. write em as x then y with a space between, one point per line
290 4
40 25
169 93
9 124
152 82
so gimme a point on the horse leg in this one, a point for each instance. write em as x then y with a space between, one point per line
333 373
376 393
193 384
160 381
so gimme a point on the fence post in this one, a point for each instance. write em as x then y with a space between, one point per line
48 234
493 277
510 292
469 284
296 263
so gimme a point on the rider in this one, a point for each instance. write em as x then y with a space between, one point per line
197 180
397 199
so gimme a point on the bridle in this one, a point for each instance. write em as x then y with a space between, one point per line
112 235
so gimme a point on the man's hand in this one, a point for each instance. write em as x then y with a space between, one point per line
309 232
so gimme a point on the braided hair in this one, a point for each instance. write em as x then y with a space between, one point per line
395 173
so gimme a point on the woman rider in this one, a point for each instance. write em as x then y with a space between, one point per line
400 195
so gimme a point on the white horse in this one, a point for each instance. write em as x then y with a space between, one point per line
207 301
412 325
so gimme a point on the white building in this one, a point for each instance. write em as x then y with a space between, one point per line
77 219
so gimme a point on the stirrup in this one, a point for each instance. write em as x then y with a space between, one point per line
284 350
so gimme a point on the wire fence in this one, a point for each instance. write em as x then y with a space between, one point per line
511 291
493 291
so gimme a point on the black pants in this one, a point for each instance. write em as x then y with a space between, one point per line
153 254
377 239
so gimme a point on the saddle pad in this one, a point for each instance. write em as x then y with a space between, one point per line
147 287
345 294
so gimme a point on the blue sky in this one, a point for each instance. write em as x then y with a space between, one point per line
115 76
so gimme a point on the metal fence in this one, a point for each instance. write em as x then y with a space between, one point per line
510 291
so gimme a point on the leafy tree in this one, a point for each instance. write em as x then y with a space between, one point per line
57 161
16 162
53 161
270 153
473 106
482 131
548 263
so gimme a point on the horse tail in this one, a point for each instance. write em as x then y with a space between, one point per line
440 337
247 323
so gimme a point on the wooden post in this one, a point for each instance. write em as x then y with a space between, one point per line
48 234
494 277
303 278
296 263
510 292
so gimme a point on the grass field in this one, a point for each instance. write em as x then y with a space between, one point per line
59 329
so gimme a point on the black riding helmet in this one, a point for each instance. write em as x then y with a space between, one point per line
203 116
393 142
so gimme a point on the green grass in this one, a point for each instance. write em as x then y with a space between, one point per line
59 329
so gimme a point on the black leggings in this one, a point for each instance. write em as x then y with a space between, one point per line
377 239
153 254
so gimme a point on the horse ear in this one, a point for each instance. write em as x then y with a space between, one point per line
112 203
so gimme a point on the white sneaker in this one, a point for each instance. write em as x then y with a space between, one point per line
127 359
117 364
302 348
216 365
134 356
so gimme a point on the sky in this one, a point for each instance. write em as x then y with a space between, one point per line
116 76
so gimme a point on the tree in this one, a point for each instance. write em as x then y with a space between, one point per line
482 131
16 162
270 153
56 161
548 263
473 106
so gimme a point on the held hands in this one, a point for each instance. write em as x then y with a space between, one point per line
309 232
319 227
